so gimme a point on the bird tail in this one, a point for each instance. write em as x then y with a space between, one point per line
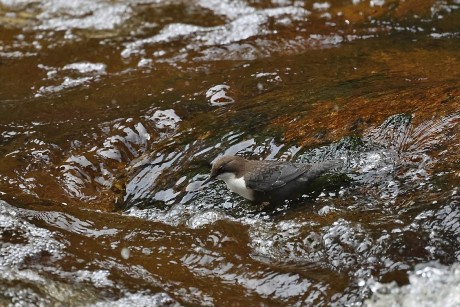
319 168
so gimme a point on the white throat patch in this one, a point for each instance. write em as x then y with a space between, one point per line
237 185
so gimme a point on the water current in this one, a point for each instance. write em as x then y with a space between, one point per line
111 113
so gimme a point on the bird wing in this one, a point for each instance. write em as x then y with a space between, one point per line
274 175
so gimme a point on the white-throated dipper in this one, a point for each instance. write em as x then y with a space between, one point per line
267 181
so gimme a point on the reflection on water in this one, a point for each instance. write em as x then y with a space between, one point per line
122 106
31 259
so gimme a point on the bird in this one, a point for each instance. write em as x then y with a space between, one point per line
267 181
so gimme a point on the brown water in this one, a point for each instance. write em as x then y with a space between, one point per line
111 111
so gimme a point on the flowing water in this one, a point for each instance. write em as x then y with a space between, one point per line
112 111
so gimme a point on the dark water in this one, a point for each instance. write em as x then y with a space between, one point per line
111 111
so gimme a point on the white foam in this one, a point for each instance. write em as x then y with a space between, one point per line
431 284
165 119
217 95
82 14
244 22
87 67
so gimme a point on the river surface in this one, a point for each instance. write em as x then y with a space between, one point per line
112 111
